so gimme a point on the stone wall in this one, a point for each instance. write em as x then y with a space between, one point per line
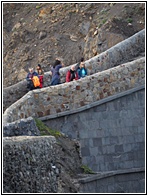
111 134
13 93
121 53
104 111
120 181
71 96
21 127
112 139
29 165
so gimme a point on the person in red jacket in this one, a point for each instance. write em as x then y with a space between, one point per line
40 72
71 74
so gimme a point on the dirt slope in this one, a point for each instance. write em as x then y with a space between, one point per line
39 32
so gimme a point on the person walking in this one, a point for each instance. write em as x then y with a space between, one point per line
40 72
30 82
71 74
82 71
55 72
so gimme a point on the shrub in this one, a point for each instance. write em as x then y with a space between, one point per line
44 130
87 170
129 20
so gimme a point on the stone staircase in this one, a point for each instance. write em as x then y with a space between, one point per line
104 112
115 70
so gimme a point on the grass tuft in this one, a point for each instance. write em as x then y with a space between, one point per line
44 130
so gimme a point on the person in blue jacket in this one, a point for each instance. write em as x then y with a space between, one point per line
82 71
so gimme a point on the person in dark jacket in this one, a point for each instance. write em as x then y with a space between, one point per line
29 77
71 74
55 72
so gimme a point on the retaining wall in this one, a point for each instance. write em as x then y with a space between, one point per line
111 134
29 165
112 139
121 53
121 181
73 95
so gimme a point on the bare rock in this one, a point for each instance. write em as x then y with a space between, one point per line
42 35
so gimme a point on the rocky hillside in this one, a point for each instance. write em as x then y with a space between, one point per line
39 32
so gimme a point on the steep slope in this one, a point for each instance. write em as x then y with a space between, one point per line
39 32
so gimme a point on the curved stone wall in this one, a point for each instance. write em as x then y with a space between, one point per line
121 53
71 96
111 135
12 93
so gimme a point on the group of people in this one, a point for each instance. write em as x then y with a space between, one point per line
76 71
35 78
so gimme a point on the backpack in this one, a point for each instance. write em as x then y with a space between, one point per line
36 81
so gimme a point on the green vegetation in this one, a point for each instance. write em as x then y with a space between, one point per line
104 21
44 130
39 6
129 20
87 170
105 10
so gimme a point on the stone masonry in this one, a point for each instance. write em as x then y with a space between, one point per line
121 53
73 95
104 111
111 134
21 127
29 165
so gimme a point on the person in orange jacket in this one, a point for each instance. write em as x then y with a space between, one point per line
40 72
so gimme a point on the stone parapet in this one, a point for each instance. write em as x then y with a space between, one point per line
121 53
76 94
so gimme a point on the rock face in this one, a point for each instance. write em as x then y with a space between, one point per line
40 164
22 165
39 32
20 128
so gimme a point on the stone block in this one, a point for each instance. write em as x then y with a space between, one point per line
130 139
108 158
119 148
114 140
139 137
93 151
97 142
100 159
128 164
106 141
110 149
141 146
85 151
141 129
100 150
